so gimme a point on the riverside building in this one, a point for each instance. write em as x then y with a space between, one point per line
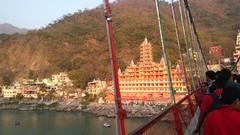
26 91
147 80
9 92
236 54
96 86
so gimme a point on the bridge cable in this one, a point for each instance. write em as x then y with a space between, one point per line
186 44
194 29
192 44
164 49
179 46
195 38
200 70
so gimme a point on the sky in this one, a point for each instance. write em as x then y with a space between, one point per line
34 14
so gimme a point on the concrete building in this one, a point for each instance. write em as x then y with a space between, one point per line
96 86
11 91
30 94
236 54
28 82
61 79
26 91
30 91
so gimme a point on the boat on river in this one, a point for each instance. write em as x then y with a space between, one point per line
106 125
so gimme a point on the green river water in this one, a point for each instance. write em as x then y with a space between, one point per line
59 123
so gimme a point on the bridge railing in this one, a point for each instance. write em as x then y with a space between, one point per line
175 119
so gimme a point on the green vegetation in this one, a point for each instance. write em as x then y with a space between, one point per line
40 106
54 105
6 81
80 77
51 95
31 74
77 43
102 94
19 96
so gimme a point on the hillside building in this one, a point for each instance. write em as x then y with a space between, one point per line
26 91
96 86
9 92
30 91
61 79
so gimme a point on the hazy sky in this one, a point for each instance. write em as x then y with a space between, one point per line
33 14
38 13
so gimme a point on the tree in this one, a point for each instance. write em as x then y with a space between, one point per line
102 94
51 95
31 74
6 80
65 64
19 96
81 78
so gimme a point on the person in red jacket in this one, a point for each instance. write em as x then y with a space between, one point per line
226 119
224 76
206 106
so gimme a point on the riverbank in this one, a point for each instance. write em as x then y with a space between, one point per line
74 105
133 110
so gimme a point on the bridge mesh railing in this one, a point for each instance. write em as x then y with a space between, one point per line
175 120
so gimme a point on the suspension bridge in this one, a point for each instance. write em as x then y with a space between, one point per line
182 113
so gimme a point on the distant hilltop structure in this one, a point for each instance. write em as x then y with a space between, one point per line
236 54
147 80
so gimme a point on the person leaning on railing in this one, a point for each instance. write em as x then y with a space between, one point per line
226 119
211 100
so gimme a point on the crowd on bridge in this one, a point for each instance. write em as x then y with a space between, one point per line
220 105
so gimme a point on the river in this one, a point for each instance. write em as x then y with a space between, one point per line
59 123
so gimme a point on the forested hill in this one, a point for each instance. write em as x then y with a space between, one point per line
77 43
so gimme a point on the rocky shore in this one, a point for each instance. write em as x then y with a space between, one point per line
74 105
133 110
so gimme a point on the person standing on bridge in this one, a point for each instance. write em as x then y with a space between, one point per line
226 119
211 77
211 100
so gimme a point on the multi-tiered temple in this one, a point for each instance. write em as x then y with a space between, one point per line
147 80
237 51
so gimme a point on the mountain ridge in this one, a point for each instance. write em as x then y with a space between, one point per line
77 43
6 28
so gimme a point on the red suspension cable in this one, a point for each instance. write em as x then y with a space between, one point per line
120 112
